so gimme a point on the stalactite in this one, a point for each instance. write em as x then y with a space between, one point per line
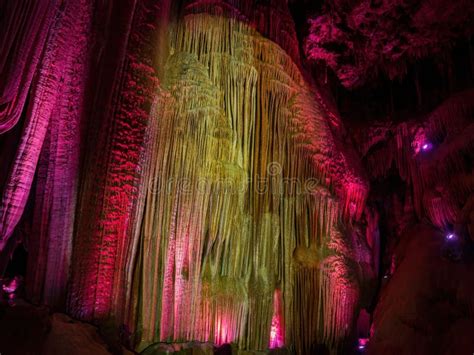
441 210
243 171
271 19
440 182
373 236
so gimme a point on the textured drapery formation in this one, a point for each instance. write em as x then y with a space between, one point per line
240 202
23 32
57 88
109 201
50 241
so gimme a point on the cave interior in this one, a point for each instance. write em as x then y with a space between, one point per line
237 177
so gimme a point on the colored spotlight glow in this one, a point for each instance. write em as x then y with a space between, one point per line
276 330
12 286
426 146
362 343
451 236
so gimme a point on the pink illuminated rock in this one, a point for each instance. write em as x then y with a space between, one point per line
360 40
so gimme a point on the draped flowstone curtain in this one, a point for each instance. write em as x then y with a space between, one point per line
239 205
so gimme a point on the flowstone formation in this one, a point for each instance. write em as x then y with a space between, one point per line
245 207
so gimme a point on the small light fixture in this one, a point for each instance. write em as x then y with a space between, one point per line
362 343
451 236
426 146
